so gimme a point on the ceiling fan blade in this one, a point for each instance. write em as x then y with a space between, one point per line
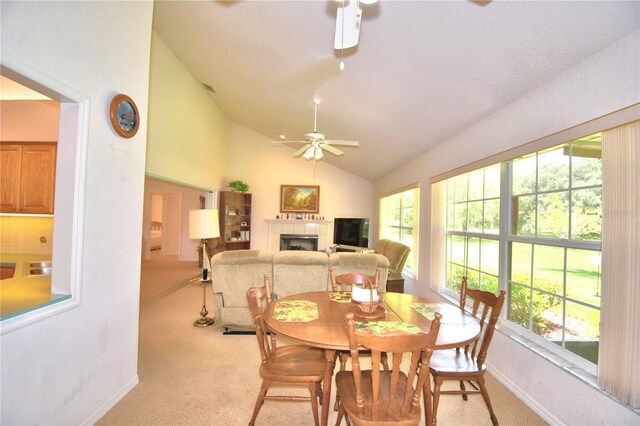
343 143
331 149
347 25
301 151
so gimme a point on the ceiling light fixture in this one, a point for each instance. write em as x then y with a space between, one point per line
282 136
309 153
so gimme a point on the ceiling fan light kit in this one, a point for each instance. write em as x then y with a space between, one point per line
315 143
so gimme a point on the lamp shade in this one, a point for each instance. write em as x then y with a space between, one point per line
203 223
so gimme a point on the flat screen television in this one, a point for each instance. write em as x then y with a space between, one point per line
351 231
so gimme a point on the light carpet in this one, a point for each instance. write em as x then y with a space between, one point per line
197 376
161 274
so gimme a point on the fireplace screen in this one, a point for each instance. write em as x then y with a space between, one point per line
298 242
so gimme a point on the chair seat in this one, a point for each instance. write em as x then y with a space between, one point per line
451 362
295 363
347 392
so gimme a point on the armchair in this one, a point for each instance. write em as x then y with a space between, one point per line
396 252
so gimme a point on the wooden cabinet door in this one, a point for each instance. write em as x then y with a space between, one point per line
10 159
38 176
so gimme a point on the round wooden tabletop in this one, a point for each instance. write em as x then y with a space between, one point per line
329 330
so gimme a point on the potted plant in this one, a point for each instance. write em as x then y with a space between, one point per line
238 185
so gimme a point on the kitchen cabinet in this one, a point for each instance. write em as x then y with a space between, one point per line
27 177
235 219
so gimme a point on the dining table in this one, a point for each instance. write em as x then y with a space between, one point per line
318 319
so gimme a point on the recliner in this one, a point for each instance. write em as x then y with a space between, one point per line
396 252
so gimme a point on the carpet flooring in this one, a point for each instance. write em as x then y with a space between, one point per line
162 274
198 376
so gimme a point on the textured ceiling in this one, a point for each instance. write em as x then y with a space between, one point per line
423 71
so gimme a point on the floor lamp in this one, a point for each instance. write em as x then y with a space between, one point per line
203 224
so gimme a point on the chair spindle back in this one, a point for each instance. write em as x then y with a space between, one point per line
486 308
344 282
259 298
401 398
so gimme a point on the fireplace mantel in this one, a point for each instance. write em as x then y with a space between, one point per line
305 221
298 226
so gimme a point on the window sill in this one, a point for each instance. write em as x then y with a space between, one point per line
580 373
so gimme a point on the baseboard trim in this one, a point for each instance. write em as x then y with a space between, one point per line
523 396
111 402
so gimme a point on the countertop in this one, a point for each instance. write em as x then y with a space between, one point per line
21 293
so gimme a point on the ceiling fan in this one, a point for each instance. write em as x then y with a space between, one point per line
315 142
348 20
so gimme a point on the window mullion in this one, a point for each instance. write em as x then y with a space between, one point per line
505 225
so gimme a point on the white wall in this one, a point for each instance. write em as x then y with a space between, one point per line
606 82
29 120
71 367
265 166
157 203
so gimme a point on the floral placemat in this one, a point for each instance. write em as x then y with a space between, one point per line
295 311
387 327
450 314
340 296
426 310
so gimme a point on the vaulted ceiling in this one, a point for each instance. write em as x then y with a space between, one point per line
422 72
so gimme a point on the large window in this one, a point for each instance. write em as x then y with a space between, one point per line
541 215
473 225
399 222
554 245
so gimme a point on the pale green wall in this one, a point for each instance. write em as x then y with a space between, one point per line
187 132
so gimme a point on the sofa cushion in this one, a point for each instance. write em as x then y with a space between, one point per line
300 271
235 271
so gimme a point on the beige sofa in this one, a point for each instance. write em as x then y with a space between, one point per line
290 272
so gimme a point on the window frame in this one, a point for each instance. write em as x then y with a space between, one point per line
71 175
410 268
505 238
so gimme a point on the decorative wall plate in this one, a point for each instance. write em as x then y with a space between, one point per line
124 116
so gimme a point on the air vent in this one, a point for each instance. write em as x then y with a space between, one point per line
209 88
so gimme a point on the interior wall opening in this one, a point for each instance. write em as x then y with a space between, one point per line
43 140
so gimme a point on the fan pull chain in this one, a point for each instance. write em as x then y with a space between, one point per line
342 41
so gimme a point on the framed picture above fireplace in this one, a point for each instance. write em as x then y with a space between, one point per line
299 199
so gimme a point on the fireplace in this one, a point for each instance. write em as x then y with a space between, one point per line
298 242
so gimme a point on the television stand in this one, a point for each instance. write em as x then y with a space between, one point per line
352 249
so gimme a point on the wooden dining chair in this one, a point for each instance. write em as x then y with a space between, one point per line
468 364
294 365
387 397
344 282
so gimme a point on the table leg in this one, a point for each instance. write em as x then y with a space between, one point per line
330 357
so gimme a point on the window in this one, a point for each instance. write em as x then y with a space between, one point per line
473 224
399 222
554 245
542 214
